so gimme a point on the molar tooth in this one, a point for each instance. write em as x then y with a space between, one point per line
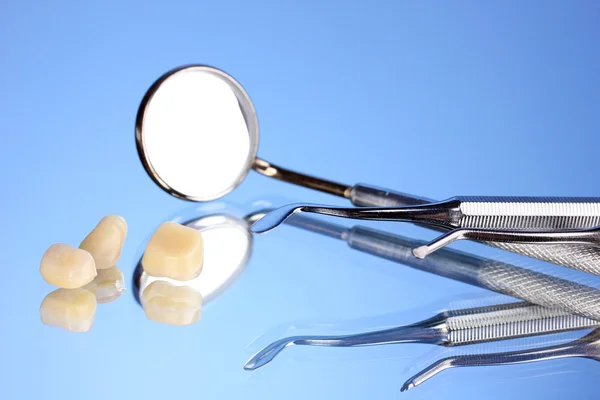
105 241
70 309
174 251
169 304
67 267
108 286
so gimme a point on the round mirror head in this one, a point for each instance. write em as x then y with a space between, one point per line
197 133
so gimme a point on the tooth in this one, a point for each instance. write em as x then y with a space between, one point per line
105 241
174 251
169 304
67 267
70 309
108 286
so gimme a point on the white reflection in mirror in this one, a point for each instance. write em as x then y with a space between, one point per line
195 135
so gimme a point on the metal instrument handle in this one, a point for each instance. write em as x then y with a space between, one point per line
503 212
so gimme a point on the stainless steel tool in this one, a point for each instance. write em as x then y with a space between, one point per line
586 347
197 137
450 328
588 237
494 214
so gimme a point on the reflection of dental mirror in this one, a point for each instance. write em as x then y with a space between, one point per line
227 249
197 138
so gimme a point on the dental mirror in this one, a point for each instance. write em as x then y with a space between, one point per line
197 133
197 137
227 249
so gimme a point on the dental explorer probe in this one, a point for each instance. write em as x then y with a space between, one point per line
450 328
585 347
589 237
517 282
491 213
197 137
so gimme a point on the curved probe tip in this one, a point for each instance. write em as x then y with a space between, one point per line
267 354
273 219
407 385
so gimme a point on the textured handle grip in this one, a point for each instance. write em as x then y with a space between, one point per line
580 257
511 321
524 284
513 212
541 289
535 213
529 213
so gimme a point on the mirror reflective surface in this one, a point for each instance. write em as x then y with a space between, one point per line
197 133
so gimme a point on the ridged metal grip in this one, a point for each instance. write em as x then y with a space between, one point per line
513 212
511 321
543 289
581 257
529 213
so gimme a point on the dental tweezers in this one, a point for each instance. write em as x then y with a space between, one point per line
586 347
513 214
450 328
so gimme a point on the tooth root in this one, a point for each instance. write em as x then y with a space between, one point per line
105 241
67 267
174 251
108 285
169 304
70 309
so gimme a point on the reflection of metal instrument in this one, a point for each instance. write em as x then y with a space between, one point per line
586 347
451 328
521 283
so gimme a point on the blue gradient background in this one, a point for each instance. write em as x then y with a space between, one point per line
434 98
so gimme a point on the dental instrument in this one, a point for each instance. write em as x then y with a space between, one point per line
590 237
495 214
450 328
586 347
197 138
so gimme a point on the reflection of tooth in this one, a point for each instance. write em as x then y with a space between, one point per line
67 267
174 251
70 309
108 285
170 304
106 240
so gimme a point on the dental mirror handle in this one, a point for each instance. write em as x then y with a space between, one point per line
362 195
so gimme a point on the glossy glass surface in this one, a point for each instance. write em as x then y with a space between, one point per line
456 99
